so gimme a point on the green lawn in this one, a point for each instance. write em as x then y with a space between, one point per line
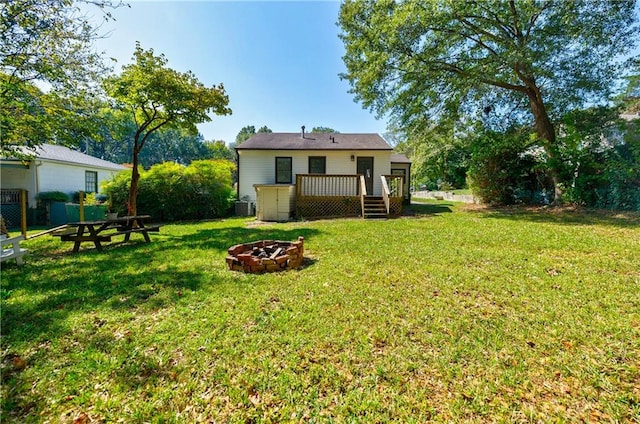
450 314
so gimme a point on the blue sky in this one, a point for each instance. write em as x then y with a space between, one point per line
279 61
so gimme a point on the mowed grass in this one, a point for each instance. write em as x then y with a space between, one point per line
450 314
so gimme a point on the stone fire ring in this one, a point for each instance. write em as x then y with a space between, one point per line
266 256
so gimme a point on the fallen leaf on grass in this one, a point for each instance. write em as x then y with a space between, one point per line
82 418
18 363
122 335
553 271
254 397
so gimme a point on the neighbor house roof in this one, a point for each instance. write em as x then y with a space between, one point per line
399 158
314 141
56 153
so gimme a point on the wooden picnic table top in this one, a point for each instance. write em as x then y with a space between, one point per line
102 230
118 220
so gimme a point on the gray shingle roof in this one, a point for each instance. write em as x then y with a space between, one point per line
65 154
400 158
314 141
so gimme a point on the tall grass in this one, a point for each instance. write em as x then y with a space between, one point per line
446 315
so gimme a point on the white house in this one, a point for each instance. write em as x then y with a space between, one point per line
54 168
322 165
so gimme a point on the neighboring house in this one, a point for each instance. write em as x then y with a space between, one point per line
319 174
54 168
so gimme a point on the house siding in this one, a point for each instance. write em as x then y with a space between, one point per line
68 178
258 166
43 176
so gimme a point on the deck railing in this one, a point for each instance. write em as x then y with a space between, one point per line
327 185
385 192
363 192
395 184
10 196
319 195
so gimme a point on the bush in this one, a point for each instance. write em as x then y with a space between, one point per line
606 162
172 192
89 198
53 196
501 172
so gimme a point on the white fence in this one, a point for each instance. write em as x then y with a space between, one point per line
445 195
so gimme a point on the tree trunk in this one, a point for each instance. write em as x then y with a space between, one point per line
546 132
135 177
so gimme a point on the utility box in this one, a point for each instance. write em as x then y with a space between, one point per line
275 202
244 208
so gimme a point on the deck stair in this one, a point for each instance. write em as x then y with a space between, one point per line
374 208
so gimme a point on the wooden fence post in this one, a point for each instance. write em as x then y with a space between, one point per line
81 194
23 213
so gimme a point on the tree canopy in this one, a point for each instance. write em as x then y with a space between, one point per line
249 131
327 130
157 96
427 61
46 44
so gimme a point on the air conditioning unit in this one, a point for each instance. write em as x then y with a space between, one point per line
245 208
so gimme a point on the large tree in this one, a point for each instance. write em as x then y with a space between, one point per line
249 131
326 130
424 61
48 43
157 96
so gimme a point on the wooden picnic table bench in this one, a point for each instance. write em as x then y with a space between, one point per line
11 249
103 230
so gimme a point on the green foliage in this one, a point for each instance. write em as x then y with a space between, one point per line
89 198
601 158
422 61
440 156
117 191
173 192
158 96
248 132
218 150
327 130
416 58
48 41
161 96
622 172
502 170
245 134
52 196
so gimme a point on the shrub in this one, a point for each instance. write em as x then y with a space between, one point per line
89 198
172 192
501 170
53 196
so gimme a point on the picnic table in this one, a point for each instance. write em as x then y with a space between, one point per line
103 230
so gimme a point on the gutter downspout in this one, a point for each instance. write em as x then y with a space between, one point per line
37 178
238 175
37 165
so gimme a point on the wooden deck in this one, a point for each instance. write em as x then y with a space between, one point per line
332 196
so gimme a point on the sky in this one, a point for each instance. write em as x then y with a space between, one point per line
279 61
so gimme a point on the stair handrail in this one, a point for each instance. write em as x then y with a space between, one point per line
385 192
363 192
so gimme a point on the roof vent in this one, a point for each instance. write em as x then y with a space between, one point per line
302 133
332 138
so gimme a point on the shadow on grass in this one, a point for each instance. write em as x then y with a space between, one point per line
222 239
55 283
47 303
426 209
562 216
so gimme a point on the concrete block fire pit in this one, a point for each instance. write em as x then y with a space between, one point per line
266 256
